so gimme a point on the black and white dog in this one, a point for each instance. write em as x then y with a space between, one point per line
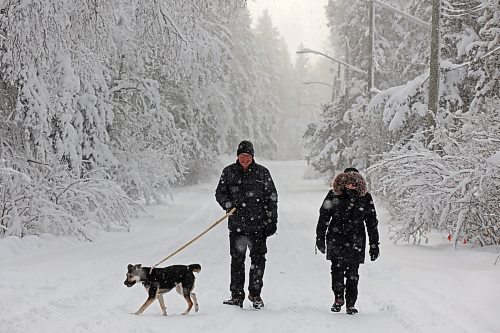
161 280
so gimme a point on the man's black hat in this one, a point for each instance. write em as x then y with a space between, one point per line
245 147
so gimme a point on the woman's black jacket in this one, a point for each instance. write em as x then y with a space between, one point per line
342 221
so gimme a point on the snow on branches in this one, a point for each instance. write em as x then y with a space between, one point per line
44 199
105 101
453 187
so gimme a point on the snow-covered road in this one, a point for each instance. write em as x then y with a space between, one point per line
59 285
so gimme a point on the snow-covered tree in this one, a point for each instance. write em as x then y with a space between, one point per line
100 97
247 118
449 183
455 190
398 49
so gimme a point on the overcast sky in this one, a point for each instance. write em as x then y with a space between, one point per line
298 21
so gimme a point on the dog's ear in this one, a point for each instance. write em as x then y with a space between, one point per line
138 266
130 266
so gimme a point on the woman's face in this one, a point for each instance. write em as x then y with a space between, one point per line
350 186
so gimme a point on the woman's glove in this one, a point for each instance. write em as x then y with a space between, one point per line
374 252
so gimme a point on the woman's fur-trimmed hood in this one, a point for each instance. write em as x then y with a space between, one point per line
355 178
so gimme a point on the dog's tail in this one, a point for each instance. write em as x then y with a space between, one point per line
194 268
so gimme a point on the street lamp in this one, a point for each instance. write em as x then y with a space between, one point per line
318 82
332 86
354 68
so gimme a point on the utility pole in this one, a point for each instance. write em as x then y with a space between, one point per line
370 48
347 74
337 83
433 97
334 87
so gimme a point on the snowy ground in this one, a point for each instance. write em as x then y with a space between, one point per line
59 285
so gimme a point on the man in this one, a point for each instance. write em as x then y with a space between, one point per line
345 217
248 187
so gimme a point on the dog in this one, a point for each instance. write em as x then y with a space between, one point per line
161 280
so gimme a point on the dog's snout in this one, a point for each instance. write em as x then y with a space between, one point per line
129 283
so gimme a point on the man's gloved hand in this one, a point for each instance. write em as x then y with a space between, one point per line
374 252
320 244
232 204
271 224
271 229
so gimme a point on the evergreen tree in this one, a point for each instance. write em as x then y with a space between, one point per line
103 94
270 52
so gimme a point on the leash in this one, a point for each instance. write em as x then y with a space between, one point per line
196 238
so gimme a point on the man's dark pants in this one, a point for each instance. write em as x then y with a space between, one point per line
238 244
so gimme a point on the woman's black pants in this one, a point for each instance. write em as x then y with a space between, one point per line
345 277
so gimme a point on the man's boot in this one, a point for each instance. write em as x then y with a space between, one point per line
235 300
258 303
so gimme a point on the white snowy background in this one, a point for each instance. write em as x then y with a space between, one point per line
50 284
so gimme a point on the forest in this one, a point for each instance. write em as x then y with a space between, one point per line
106 106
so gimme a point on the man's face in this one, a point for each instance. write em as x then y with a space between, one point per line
245 160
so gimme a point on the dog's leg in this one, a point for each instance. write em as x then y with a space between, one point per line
184 292
152 293
188 301
144 306
162 304
178 288
195 300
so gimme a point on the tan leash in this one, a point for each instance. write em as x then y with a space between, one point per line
196 238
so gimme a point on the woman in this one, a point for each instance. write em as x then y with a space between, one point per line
345 216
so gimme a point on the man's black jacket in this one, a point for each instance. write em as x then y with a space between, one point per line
253 194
